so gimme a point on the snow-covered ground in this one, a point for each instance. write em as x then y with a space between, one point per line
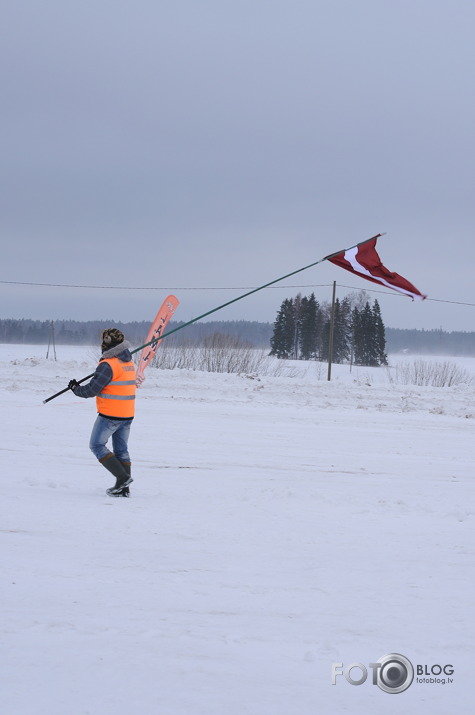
277 525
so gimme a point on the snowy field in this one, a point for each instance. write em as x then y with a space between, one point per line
277 525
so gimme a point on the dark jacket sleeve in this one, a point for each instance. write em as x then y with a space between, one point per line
101 378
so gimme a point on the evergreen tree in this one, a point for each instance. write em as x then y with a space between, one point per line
341 331
308 328
297 306
283 339
368 335
319 325
379 335
365 338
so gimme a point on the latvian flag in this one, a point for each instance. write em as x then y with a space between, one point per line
365 262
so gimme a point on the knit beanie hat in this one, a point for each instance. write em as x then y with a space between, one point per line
110 338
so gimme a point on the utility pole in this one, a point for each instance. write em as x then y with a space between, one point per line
51 340
332 326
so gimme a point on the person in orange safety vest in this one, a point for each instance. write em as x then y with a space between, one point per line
113 386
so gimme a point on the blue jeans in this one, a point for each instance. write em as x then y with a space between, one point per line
104 428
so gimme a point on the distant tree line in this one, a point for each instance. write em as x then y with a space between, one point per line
302 331
431 342
73 332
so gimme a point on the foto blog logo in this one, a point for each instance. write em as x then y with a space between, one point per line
393 673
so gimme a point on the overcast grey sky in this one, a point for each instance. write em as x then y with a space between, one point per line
215 143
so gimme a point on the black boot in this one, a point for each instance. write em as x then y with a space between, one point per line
128 467
112 464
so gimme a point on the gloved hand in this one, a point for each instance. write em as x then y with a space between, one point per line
72 384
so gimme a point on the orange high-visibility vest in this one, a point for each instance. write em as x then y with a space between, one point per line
117 399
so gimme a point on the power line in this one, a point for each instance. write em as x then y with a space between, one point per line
398 295
211 288
94 287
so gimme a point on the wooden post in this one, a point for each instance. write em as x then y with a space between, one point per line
51 340
332 326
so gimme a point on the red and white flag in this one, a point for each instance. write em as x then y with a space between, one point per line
365 262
